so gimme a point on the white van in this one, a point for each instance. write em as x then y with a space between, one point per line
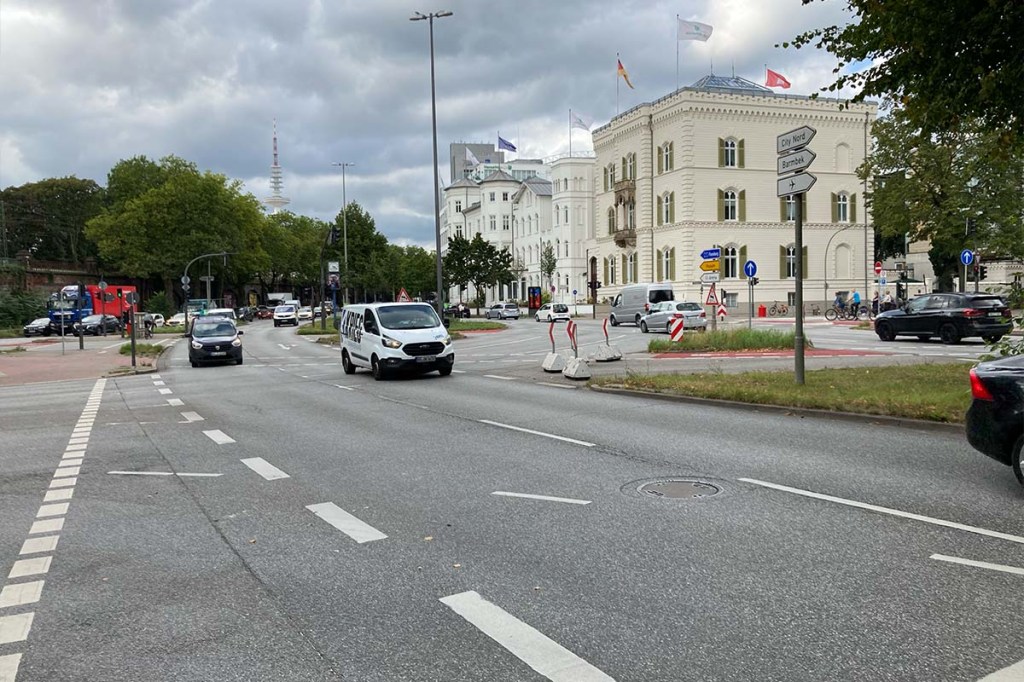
635 300
388 337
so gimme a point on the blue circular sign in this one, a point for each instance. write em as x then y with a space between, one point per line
966 256
750 268
573 292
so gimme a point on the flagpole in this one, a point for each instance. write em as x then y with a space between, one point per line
617 61
677 52
570 133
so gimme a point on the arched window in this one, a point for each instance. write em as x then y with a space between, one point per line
729 204
565 215
729 153
630 167
630 216
668 264
611 221
630 274
666 208
791 207
611 175
843 207
730 262
556 215
790 261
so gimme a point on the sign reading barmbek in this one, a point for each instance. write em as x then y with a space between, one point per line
796 162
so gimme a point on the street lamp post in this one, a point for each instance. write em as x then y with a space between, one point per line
419 16
825 263
185 279
344 222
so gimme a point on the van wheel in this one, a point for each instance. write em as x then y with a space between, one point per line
643 326
445 371
377 369
636 320
615 323
346 363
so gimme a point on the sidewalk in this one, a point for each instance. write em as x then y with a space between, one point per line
42 361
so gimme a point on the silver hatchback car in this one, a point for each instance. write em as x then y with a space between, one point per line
662 314
503 311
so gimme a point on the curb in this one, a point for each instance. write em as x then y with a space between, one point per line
878 419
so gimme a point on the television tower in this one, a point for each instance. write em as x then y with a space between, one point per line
275 201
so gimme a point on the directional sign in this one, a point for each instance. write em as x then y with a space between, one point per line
966 256
796 162
710 266
878 267
750 268
708 277
795 184
711 253
794 139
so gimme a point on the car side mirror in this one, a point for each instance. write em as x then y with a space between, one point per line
187 335
240 332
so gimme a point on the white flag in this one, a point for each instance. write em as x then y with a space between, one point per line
471 157
580 120
693 30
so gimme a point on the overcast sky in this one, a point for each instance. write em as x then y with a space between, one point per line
86 83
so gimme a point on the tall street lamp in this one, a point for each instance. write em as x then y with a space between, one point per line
344 222
419 16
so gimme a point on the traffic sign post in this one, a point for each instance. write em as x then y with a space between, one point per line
707 254
750 269
712 301
966 259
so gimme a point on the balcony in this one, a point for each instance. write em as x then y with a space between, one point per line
624 238
625 191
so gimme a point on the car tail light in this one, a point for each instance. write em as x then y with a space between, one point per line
703 314
973 312
978 390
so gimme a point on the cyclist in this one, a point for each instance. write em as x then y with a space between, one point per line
839 304
149 323
855 303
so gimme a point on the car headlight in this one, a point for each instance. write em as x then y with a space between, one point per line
236 343
448 340
197 345
390 342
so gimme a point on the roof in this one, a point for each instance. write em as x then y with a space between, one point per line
731 84
499 176
538 186
462 182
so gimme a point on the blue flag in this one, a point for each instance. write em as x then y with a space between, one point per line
505 144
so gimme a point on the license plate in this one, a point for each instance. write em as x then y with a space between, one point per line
996 314
217 354
426 358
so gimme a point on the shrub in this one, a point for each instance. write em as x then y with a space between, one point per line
20 307
159 303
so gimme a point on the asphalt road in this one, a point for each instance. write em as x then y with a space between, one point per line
344 528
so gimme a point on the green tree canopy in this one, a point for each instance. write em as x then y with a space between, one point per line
47 218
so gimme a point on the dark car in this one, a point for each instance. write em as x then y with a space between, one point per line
951 317
214 339
458 310
94 325
38 327
995 418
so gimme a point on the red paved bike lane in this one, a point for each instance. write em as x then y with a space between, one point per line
42 361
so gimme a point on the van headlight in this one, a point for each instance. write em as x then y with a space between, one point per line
448 340
390 342
197 345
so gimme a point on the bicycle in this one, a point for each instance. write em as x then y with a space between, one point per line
814 310
778 309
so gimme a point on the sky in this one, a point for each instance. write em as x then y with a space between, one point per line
87 83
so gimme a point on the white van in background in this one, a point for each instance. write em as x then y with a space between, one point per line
635 300
388 337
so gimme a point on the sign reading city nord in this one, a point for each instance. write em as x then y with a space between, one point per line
708 277
796 162
711 253
794 139
710 266
795 184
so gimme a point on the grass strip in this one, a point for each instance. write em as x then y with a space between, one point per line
934 391
461 325
727 340
147 350
315 330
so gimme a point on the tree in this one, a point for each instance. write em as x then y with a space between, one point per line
456 266
47 218
363 241
944 62
927 186
548 262
483 271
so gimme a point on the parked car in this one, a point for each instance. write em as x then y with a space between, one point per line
552 312
503 311
214 339
286 314
951 317
176 319
995 418
38 327
460 309
305 313
662 314
94 325
158 319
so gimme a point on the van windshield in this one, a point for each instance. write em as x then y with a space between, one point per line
659 295
408 317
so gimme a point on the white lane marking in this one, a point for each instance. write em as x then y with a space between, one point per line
264 468
71 462
458 371
162 473
349 525
887 510
9 667
551 383
79 441
36 545
175 402
284 346
59 509
78 433
164 391
344 388
47 526
525 642
159 383
66 471
978 564
496 376
64 482
21 593
537 433
1015 673
34 566
15 628
157 376
219 437
58 495
78 447
548 498
192 417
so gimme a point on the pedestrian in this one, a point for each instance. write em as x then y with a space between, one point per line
874 304
887 301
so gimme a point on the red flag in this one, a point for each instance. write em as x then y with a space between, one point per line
775 80
622 72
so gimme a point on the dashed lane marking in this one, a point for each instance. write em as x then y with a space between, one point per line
978 564
175 402
9 664
163 473
27 567
219 437
264 468
20 594
497 376
358 530
36 545
1015 673
546 498
165 391
537 433
15 628
46 526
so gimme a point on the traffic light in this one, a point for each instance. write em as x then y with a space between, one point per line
983 272
120 294
754 281
334 236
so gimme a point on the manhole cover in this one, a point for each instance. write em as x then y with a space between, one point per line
679 489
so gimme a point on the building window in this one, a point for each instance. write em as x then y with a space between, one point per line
790 207
494 224
504 196
730 262
630 216
667 207
556 215
729 205
458 207
504 222
630 274
665 157
790 261
611 174
611 221
458 231
842 208
565 215
729 153
630 167
667 265
492 196
611 270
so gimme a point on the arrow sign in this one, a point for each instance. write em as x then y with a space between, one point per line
796 162
794 139
708 277
750 268
795 184
709 266
966 256
711 253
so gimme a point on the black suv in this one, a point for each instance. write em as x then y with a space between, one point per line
951 317
214 339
